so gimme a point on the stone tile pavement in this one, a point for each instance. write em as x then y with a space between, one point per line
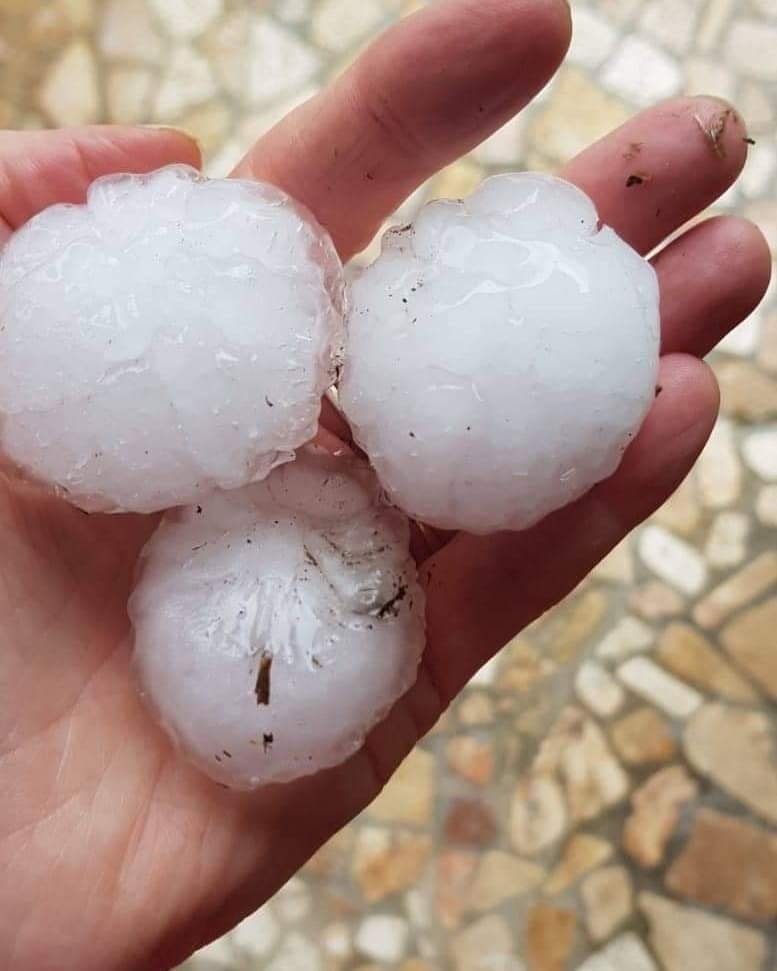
603 797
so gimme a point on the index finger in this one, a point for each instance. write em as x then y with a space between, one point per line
421 95
41 168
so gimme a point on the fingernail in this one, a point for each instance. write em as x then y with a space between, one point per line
181 132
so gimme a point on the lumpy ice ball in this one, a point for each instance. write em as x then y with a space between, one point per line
172 336
276 624
501 353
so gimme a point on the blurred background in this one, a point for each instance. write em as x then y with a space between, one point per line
604 794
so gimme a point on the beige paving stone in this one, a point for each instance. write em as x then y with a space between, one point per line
184 19
550 937
128 94
337 940
218 954
538 816
576 750
680 513
385 862
734 748
583 853
382 937
576 113
743 340
409 796
505 147
68 93
655 600
617 566
598 690
756 106
656 808
625 953
726 544
417 904
719 471
746 392
279 62
728 864
48 27
759 451
524 667
673 559
593 38
224 161
713 22
210 124
79 14
749 47
127 30
501 876
471 758
296 953
475 708
767 350
688 654
561 637
753 580
485 944
751 639
765 212
709 74
257 935
336 25
766 505
643 737
670 23
293 11
227 51
457 180
454 873
607 896
629 636
685 938
293 901
652 683
641 71
187 81
759 171
331 859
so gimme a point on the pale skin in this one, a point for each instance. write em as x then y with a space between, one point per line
114 852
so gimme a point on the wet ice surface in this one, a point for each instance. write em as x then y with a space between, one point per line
173 336
501 354
274 625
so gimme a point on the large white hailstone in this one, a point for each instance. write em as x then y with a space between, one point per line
501 353
172 336
276 624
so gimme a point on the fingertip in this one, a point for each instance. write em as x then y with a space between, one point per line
748 259
720 126
687 402
178 143
670 440
712 278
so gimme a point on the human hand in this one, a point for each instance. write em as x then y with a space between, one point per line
114 852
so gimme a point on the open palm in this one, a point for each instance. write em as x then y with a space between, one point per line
114 853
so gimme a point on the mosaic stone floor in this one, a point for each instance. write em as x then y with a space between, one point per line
603 797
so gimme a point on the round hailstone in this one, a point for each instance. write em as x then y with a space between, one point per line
172 336
276 624
501 353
